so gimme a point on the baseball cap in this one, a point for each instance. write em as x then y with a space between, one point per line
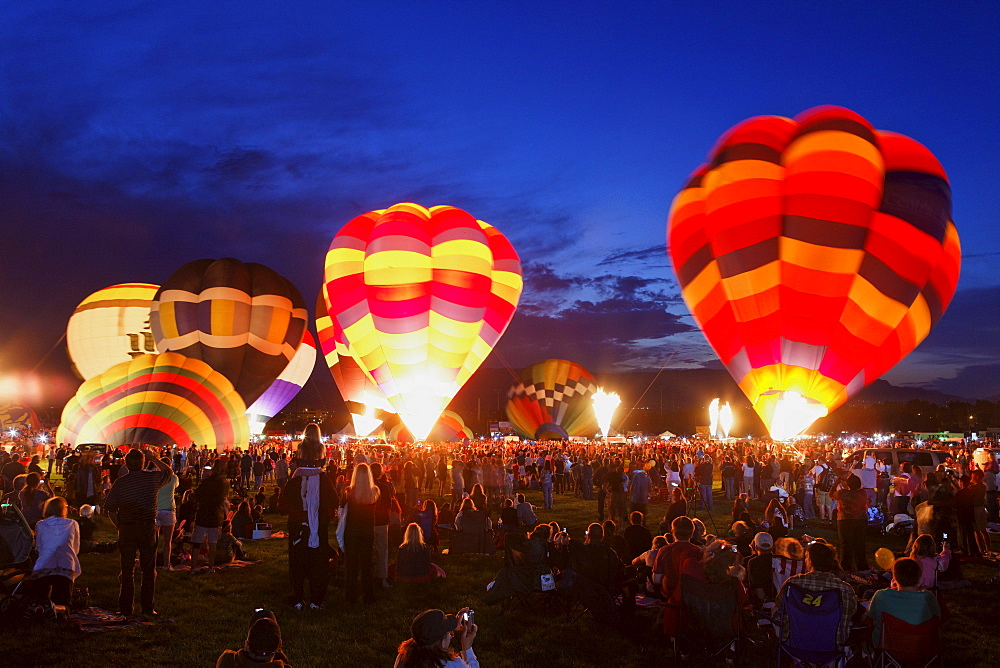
264 637
430 626
764 541
86 510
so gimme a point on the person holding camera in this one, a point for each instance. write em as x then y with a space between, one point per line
262 646
429 646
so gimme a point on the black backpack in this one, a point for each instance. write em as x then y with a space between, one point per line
826 480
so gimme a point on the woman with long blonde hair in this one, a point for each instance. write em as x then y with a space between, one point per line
414 558
359 533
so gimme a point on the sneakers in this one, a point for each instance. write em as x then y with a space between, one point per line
315 606
300 606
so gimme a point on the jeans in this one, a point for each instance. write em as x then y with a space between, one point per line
706 497
748 487
730 486
382 551
139 538
307 563
547 497
852 545
358 555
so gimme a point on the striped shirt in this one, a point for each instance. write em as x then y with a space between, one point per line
133 496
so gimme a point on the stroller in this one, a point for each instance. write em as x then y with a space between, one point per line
17 545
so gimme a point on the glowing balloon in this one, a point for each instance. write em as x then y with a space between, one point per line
18 416
285 387
358 390
815 254
449 427
885 558
421 296
245 320
156 400
605 405
553 401
111 326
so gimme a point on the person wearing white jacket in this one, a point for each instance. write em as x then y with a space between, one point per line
57 539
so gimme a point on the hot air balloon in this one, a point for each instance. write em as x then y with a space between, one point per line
449 427
553 400
285 387
18 416
815 254
421 296
111 326
156 400
245 320
358 390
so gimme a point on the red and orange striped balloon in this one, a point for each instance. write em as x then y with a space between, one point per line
814 253
421 296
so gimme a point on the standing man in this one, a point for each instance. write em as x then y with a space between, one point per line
704 472
132 507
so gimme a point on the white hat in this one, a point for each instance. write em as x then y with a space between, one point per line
86 510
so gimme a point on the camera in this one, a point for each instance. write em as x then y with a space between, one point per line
469 618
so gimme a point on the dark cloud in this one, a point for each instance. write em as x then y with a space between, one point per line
975 381
639 255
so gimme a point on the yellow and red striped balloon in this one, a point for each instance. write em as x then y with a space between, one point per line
111 326
421 296
157 400
815 254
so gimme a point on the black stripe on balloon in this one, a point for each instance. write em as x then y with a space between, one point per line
694 265
747 151
824 232
749 258
887 281
934 304
840 125
922 200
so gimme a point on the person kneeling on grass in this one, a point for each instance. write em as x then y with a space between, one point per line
430 645
262 646
229 547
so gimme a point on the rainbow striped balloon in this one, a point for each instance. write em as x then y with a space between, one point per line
156 400
815 254
449 427
285 387
421 296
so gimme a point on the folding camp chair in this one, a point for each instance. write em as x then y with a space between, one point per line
807 633
711 618
905 645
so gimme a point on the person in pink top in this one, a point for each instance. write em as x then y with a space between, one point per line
924 551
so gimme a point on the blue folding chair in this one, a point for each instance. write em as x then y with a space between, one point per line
807 633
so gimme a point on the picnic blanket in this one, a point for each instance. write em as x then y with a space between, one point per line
97 620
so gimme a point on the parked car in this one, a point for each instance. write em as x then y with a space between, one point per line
927 460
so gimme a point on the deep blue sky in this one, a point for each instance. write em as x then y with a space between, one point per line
134 140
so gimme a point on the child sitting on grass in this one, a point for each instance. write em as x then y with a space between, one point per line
230 547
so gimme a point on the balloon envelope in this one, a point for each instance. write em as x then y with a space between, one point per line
156 400
111 326
814 253
421 296
245 320
553 400
285 386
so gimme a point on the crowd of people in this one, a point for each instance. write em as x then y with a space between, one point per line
188 506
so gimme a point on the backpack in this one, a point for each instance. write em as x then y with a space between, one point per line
826 480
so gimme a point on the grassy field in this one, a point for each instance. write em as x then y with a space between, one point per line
211 614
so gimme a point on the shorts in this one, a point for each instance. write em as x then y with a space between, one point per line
205 535
165 518
823 499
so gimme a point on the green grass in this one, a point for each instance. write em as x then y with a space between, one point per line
211 614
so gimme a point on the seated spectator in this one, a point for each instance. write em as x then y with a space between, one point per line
677 558
229 547
430 642
721 565
427 518
760 570
262 646
788 560
413 561
636 535
700 536
616 542
274 501
508 516
742 537
592 571
821 562
903 600
473 531
242 522
57 540
648 559
678 508
32 498
526 513
446 517
924 551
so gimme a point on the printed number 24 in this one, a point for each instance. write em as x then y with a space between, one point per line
809 599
